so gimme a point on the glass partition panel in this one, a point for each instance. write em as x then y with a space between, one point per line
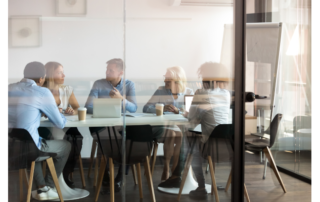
278 121
78 46
293 151
179 67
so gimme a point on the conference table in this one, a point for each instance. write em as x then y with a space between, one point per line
141 119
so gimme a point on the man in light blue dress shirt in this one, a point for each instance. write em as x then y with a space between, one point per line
112 87
27 102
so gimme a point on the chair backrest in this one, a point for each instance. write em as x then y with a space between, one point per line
222 131
273 129
300 122
138 145
28 149
140 133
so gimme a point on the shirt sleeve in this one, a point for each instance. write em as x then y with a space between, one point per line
50 109
193 116
150 107
131 101
94 93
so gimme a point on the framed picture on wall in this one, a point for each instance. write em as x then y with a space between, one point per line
71 7
24 31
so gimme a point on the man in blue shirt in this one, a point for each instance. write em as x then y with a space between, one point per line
27 102
112 87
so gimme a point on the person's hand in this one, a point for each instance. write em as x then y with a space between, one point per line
69 111
186 114
171 108
115 93
60 110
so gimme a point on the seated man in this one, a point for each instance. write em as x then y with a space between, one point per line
112 87
28 101
210 107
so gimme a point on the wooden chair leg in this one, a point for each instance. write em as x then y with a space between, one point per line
134 173
274 167
246 193
25 177
93 151
139 180
149 156
154 157
103 164
30 181
21 172
96 169
111 169
82 172
229 181
44 167
185 173
149 178
213 179
54 177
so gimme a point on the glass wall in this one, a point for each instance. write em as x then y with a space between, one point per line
278 71
293 150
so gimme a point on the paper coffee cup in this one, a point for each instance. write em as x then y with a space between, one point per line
82 112
159 109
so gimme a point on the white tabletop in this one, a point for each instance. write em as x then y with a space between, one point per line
150 119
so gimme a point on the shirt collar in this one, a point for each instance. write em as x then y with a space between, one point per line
28 81
169 91
119 84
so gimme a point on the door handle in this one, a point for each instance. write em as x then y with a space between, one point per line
250 97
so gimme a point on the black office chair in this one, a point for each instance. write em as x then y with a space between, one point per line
96 142
222 131
258 145
138 146
29 153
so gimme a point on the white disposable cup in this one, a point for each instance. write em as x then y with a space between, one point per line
159 109
82 112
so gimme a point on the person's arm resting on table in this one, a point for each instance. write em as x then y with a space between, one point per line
94 93
131 101
150 107
50 109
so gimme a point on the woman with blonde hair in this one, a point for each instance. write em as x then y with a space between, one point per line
171 95
67 104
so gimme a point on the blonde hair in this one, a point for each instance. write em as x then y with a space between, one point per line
50 68
179 77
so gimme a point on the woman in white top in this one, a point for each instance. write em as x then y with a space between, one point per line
67 104
172 96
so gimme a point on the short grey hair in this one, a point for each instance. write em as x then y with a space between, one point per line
118 62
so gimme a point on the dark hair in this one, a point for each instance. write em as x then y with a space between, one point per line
118 62
34 71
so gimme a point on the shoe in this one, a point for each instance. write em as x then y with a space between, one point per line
46 193
199 193
171 183
117 188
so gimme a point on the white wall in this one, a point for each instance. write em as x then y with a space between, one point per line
157 36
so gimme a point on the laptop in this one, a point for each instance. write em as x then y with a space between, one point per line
107 108
187 102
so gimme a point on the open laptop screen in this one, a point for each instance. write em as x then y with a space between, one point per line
188 101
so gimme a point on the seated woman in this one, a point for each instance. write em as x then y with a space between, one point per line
172 96
67 104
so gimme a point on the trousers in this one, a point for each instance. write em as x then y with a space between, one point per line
62 149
